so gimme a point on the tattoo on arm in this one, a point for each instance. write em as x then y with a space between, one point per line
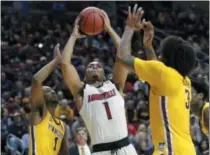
150 53
128 61
206 118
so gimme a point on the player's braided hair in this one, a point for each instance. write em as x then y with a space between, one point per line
178 54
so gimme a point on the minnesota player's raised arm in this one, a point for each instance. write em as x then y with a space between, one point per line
37 98
69 72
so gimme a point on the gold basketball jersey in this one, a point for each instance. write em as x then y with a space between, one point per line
169 106
46 137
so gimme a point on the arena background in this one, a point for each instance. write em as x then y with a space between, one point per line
29 32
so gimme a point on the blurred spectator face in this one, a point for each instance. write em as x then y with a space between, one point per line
196 97
3 76
192 120
17 118
19 85
142 128
204 145
64 103
81 136
60 95
94 72
5 113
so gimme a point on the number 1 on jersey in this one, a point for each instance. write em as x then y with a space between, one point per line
108 112
55 144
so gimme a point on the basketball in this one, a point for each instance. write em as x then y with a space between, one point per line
91 21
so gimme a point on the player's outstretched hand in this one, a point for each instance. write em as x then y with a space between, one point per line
107 24
57 53
76 32
134 17
148 29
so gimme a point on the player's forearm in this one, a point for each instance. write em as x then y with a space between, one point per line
68 50
125 43
150 52
44 72
115 37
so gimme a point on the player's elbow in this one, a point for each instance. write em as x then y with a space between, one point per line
35 80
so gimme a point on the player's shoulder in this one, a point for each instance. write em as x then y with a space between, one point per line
111 81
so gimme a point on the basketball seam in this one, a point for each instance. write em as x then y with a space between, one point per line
84 20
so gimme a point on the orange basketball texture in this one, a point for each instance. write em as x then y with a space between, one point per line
91 21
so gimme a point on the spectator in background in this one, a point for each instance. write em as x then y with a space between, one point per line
64 110
17 128
81 147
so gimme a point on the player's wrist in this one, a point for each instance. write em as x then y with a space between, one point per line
148 46
129 29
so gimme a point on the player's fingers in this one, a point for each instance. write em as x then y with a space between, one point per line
129 12
77 20
134 9
82 36
139 11
102 13
141 14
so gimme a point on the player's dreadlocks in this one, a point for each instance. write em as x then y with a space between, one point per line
178 54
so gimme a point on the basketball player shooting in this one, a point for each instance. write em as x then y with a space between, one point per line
99 101
47 133
170 92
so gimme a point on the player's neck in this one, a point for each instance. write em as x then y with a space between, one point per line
96 83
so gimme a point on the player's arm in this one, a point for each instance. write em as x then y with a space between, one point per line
120 79
64 145
37 96
149 71
69 72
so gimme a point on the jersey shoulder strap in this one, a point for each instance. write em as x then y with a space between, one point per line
116 85
81 90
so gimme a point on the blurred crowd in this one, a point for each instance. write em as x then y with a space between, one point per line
27 44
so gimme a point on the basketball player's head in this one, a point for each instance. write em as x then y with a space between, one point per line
199 92
94 73
51 98
178 54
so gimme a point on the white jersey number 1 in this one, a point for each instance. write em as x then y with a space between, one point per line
108 112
